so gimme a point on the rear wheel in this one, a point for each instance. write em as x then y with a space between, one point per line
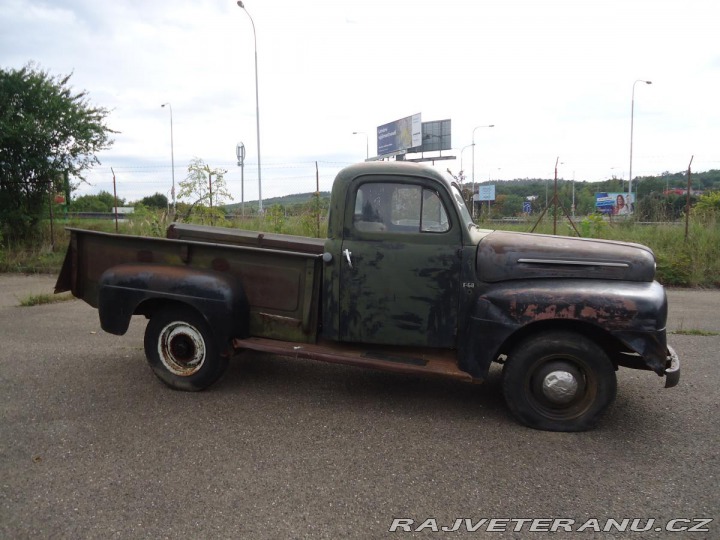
560 381
181 349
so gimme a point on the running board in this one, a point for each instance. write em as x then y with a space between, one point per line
438 362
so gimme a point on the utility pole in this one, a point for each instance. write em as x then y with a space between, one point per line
115 194
687 201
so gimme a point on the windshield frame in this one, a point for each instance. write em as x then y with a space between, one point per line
462 208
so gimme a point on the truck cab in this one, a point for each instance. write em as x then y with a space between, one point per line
401 241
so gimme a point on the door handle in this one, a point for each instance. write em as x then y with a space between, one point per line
348 254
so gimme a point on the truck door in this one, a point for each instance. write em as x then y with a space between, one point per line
400 265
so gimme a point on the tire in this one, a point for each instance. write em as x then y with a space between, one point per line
182 349
560 381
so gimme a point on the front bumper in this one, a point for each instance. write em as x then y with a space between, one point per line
672 372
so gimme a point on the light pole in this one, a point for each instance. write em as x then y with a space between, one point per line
367 143
462 168
257 107
172 158
632 114
473 161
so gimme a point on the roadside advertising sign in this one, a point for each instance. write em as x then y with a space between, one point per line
399 135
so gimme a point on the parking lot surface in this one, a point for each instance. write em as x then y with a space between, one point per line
92 445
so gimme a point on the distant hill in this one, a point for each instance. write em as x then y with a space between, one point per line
287 200
541 189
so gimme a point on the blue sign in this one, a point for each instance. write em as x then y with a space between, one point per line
486 193
527 207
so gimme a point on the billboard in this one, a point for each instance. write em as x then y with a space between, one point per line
614 204
399 135
436 137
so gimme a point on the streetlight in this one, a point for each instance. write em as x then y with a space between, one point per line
367 144
632 113
473 160
462 168
257 106
172 157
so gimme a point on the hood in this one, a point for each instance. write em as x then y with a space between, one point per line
505 256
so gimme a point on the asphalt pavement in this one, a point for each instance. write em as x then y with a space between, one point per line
92 445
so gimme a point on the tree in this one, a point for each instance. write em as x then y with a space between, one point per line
205 190
158 201
102 202
708 206
510 205
48 132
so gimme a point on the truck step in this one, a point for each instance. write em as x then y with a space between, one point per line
437 362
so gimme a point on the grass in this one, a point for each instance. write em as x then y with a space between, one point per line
44 298
695 332
681 262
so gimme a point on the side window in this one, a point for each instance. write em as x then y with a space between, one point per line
434 216
371 207
403 208
406 207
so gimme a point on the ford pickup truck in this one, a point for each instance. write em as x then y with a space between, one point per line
404 282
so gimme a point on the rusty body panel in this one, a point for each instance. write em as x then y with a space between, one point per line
419 361
124 288
511 255
626 317
279 287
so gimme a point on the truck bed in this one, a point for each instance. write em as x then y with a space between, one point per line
282 283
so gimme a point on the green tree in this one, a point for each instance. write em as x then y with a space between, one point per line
47 131
205 191
158 201
708 205
102 202
276 214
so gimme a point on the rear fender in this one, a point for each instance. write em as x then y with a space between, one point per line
129 289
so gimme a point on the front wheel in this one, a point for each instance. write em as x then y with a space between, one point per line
181 349
559 381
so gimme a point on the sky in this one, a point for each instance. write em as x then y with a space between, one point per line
555 78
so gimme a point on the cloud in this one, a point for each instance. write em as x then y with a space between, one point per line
554 77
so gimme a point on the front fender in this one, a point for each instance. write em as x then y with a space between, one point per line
633 313
126 288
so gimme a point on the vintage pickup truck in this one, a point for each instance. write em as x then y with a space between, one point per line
405 282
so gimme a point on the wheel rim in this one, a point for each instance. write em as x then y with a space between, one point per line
181 349
561 388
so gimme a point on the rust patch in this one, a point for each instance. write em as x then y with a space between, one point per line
220 265
552 311
145 256
279 319
185 253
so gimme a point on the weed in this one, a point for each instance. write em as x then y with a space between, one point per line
44 298
695 332
691 262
